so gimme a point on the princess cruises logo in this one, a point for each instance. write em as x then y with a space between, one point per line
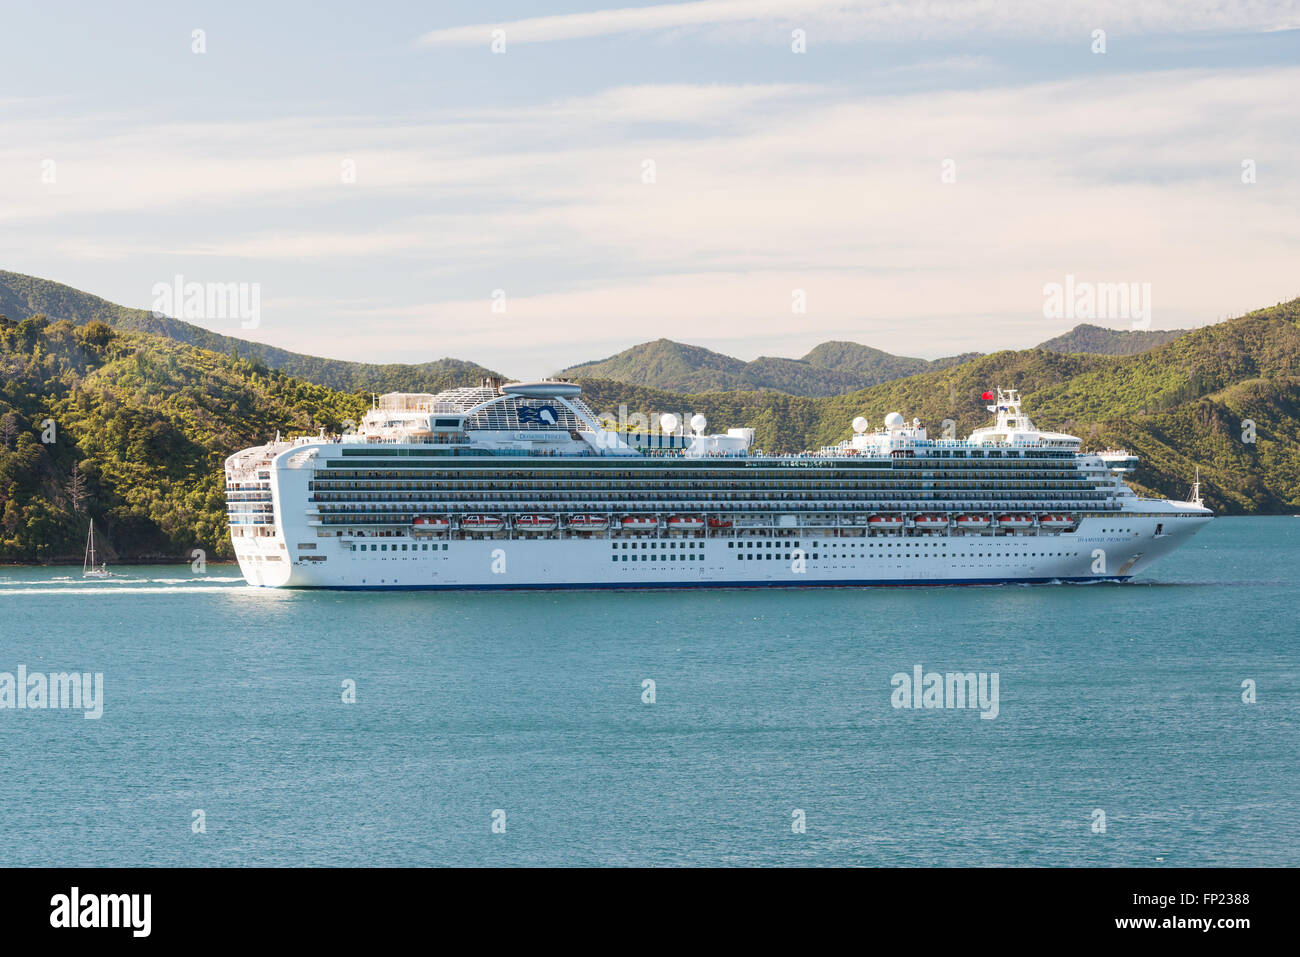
541 415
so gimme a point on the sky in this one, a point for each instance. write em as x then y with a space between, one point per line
533 185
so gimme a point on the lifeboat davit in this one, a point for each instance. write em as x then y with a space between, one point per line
972 521
640 523
931 521
1056 521
433 523
1015 521
588 523
719 523
685 523
535 523
481 523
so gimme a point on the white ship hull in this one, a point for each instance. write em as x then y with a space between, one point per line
1114 548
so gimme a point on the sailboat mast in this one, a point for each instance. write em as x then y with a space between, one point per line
90 566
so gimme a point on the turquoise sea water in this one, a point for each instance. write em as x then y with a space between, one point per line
1123 698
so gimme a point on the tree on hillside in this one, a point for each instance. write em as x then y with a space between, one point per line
10 426
76 488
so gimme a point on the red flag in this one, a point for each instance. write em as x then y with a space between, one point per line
987 397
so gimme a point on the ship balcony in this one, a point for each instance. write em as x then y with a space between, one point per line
637 501
560 496
396 512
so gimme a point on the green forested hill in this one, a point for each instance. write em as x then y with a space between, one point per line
875 365
146 423
22 296
1110 342
142 423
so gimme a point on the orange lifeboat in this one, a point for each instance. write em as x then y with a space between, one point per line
1015 521
432 523
1057 521
640 523
885 523
931 521
719 523
588 523
535 523
685 523
481 523
972 521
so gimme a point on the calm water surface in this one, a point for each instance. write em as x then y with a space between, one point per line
1124 698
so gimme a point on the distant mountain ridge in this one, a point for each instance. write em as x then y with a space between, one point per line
832 368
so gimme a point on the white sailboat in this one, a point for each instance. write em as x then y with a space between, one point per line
90 566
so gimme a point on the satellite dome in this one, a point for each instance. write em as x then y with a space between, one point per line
860 425
893 421
668 422
698 422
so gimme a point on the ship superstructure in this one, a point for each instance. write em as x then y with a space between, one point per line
521 485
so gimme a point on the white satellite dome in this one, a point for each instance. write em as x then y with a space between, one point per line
860 425
669 422
699 423
893 421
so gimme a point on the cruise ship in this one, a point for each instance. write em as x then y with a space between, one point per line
520 485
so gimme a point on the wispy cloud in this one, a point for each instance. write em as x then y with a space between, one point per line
835 21
958 65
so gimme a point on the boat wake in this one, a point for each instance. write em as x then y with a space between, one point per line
117 582
113 588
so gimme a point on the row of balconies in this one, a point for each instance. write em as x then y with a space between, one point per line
688 505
